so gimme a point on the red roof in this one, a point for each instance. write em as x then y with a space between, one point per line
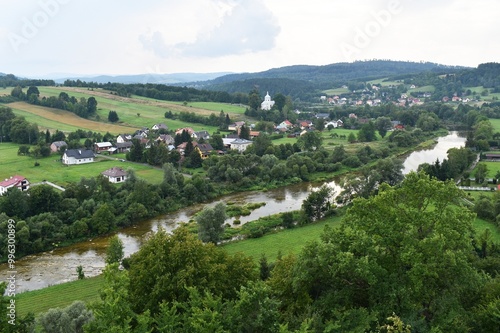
12 181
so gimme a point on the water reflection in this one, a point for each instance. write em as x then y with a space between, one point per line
438 152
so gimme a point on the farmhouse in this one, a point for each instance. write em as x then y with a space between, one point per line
15 181
57 145
102 146
115 175
78 156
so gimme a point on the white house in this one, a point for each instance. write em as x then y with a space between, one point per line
78 156
115 175
160 126
334 123
123 138
240 144
268 103
15 181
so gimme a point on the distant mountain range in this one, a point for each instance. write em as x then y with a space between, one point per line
176 78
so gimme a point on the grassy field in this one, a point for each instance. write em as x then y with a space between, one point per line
53 170
286 242
151 111
336 91
59 296
134 112
493 168
422 89
55 118
496 124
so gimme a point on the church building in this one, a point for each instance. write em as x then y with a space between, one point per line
267 104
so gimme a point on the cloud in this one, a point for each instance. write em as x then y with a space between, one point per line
248 27
156 43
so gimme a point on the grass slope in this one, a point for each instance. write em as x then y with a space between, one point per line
59 296
287 241
57 116
151 111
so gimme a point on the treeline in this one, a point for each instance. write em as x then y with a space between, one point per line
11 80
83 107
222 121
164 92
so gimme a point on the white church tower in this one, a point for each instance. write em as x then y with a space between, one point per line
267 104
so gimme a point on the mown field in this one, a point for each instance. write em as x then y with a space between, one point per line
52 169
144 112
50 118
59 296
134 112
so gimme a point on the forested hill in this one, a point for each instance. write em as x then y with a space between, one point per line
486 75
323 77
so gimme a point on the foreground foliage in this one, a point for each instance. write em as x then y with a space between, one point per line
404 260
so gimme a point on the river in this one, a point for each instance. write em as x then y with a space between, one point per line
59 265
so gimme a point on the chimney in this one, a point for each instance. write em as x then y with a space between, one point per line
79 151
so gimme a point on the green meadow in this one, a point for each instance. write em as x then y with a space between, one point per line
59 296
52 169
144 112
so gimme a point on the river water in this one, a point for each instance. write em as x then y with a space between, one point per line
59 265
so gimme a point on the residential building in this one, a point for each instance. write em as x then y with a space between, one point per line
240 144
17 181
160 126
200 135
57 145
115 175
102 146
78 156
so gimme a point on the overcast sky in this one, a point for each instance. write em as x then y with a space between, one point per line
40 37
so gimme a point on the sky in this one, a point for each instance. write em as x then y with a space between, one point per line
40 38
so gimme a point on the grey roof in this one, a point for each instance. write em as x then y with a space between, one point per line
241 142
79 153
114 172
122 145
59 144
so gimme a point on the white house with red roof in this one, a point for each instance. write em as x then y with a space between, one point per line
15 181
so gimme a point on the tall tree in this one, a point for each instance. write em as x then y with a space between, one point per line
211 223
114 252
167 265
